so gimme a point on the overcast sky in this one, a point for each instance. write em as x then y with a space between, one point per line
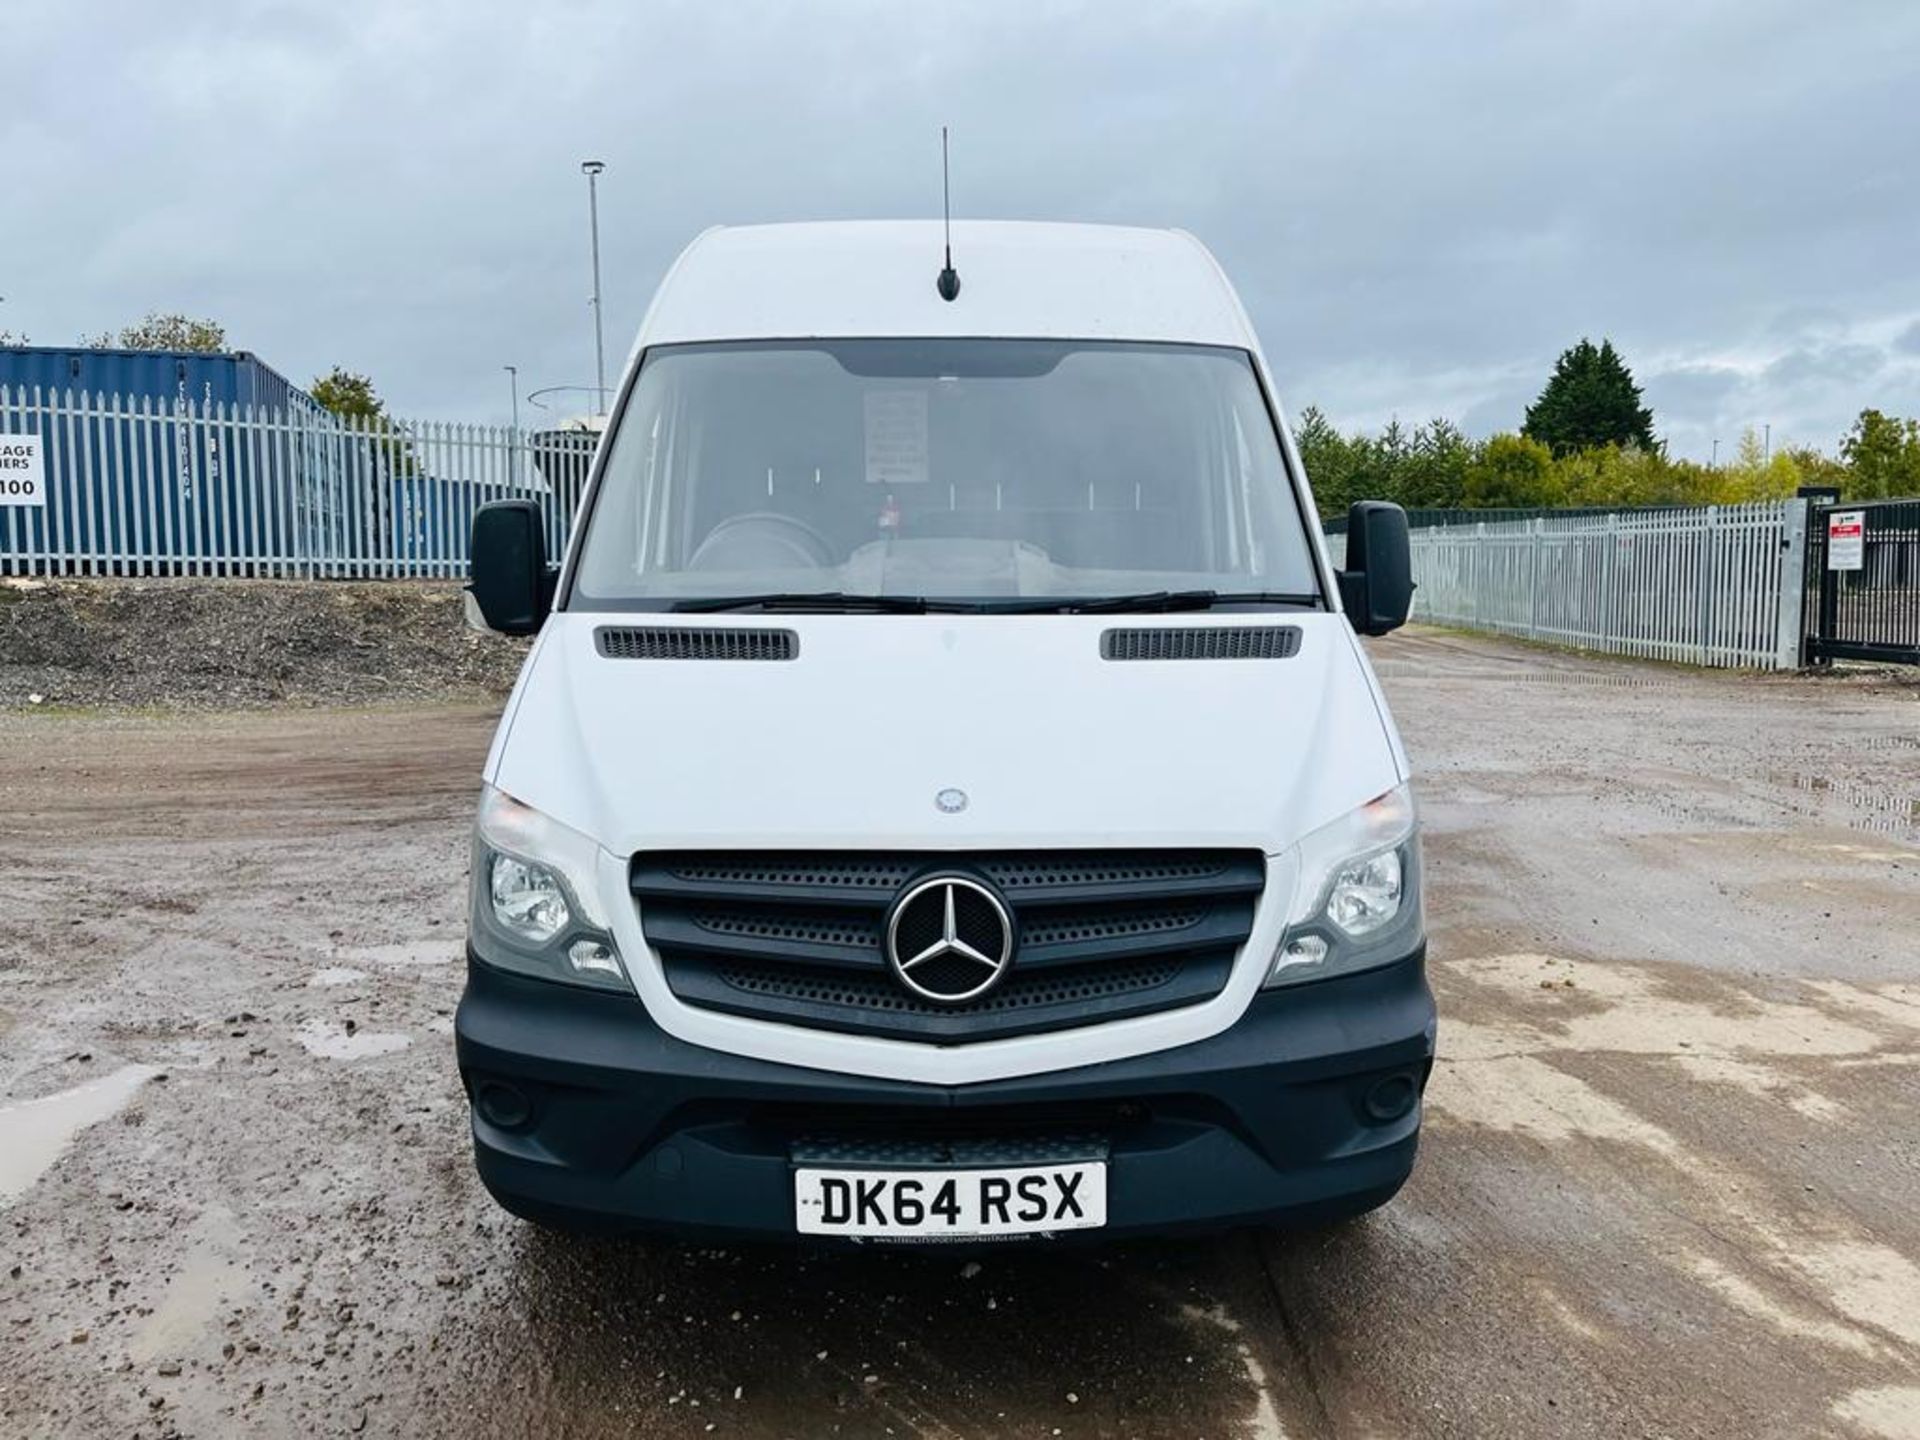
1422 204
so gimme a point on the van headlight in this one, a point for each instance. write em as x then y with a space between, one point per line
1356 899
533 905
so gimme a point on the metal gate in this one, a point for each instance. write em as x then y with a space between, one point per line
1869 607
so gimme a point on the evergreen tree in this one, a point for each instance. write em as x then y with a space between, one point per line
1328 458
1590 401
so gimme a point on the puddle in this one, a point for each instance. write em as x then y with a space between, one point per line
1888 742
1877 809
1503 1076
436 951
335 1042
210 1278
1748 1298
1892 1411
1404 670
336 975
1265 1423
1870 1283
35 1133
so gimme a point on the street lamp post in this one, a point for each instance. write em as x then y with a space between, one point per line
591 169
513 442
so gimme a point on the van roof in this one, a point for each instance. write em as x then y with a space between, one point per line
876 278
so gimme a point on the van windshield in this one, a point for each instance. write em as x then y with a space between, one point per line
989 471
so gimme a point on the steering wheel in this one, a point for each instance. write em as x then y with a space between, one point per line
762 539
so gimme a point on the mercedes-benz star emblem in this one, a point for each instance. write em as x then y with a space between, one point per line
949 939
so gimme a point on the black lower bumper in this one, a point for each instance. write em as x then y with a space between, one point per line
585 1111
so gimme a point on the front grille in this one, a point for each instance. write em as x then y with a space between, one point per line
798 937
1201 642
694 642
913 1152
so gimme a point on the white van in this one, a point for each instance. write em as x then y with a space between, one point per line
947 798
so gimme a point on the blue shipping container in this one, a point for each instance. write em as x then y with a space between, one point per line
172 377
149 457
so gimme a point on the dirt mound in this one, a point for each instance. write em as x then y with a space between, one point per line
223 643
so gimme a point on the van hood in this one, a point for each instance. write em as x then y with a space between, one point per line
848 744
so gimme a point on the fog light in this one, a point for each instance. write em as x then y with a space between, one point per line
1299 952
502 1105
1392 1097
593 957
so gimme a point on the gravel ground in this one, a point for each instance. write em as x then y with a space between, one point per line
1670 1185
222 644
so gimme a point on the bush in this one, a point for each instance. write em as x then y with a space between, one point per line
1511 471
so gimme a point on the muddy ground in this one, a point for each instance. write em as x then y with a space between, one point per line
1670 1185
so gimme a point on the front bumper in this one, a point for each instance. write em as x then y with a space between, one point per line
584 1110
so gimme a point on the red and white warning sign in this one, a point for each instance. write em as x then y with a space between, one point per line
1847 540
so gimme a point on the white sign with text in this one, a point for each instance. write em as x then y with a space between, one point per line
23 480
896 437
1846 540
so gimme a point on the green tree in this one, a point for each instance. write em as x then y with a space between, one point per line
1610 475
7 337
1813 467
1329 460
1590 400
1379 463
1882 453
1425 466
352 397
1756 475
171 331
346 393
1432 473
1512 471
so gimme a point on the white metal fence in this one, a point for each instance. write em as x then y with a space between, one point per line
140 487
1716 586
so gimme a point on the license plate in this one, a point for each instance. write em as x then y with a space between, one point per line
950 1204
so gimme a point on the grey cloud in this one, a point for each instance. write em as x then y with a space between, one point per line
1809 396
1503 410
1421 205
1850 363
1692 389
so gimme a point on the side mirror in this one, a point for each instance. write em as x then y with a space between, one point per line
511 585
1377 586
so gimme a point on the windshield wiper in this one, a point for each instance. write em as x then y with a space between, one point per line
1146 602
824 601
1151 601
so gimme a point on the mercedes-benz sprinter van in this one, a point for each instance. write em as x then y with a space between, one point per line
947 798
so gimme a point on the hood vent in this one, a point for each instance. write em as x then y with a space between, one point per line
694 642
1201 642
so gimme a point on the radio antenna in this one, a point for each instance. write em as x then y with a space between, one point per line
949 282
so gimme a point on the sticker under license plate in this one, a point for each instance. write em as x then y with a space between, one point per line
950 1204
